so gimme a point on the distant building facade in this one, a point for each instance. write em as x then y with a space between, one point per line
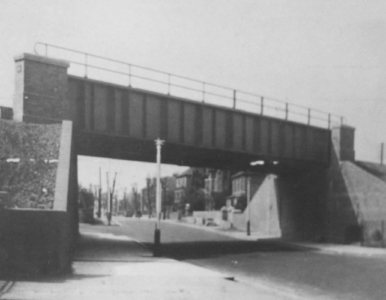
168 185
148 196
183 184
240 188
217 187
190 190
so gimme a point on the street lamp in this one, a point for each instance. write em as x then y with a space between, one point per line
157 232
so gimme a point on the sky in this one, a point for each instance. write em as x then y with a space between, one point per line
327 55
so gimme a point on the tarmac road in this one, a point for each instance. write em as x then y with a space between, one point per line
203 263
318 275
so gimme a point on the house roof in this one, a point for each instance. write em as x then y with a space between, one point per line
245 174
188 172
171 182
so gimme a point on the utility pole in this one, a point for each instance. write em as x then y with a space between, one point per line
112 195
157 233
109 209
141 204
249 206
138 211
210 191
382 146
100 194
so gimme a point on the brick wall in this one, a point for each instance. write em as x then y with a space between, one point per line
343 142
40 89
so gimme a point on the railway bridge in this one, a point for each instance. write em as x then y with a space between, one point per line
210 126
117 110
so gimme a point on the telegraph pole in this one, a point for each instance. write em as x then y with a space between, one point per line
249 205
100 194
111 197
109 208
157 233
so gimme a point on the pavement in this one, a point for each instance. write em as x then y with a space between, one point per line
332 249
108 266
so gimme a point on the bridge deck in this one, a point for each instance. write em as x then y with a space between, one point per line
115 121
120 122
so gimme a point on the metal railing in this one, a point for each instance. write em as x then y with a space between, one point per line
189 88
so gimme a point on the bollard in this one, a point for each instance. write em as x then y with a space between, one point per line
157 243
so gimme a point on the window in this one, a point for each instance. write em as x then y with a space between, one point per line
237 181
242 184
239 185
219 182
178 196
207 184
181 182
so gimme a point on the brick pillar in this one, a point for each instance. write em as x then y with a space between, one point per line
40 89
343 142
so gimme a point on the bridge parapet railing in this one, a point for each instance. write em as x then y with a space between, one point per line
136 76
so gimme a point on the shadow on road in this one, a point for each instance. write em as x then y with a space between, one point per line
48 278
107 247
211 249
94 249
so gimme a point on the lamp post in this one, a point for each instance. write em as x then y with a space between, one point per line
157 232
249 206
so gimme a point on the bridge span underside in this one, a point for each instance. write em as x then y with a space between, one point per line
121 122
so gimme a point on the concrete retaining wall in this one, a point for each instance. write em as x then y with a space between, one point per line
264 217
367 207
240 221
374 233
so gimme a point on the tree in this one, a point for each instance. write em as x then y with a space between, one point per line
196 194
196 200
164 186
219 199
86 204
136 200
149 188
241 203
86 198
